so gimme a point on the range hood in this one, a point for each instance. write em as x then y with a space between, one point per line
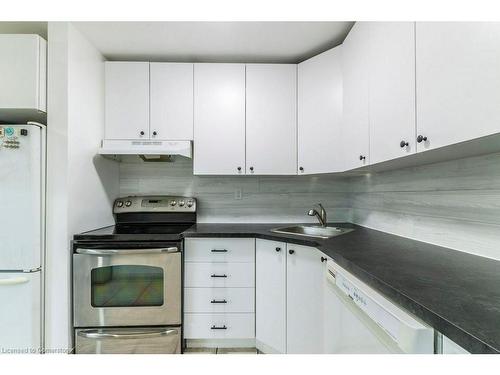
147 150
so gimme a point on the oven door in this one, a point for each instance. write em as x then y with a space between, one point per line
127 287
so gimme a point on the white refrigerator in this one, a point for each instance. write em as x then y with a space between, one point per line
22 237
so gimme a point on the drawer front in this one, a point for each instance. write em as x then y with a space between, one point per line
219 275
219 250
219 300
166 340
219 326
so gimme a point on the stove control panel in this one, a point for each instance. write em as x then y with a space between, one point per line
160 203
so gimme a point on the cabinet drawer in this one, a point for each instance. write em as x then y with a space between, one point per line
219 326
219 275
220 250
219 300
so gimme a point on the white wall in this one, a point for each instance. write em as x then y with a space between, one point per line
80 186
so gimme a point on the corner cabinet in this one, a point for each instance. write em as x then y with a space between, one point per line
320 113
271 119
458 82
391 90
23 78
289 298
355 127
304 296
126 100
219 119
270 296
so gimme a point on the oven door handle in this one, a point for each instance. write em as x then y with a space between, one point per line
172 249
96 334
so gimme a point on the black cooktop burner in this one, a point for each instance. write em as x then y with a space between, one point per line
146 219
135 232
151 228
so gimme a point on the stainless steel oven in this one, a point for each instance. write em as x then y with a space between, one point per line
127 278
127 287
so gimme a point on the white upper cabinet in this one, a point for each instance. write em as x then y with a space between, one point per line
219 119
23 73
355 126
320 113
171 100
305 282
271 119
270 296
127 100
391 90
458 81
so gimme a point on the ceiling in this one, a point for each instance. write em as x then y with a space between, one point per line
266 42
39 28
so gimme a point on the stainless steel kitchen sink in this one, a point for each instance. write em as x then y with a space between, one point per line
312 231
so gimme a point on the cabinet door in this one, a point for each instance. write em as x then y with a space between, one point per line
23 72
271 119
391 90
355 127
305 273
127 100
219 119
458 81
171 96
320 113
270 296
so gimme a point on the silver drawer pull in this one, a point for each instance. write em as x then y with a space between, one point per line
99 334
215 327
218 251
218 301
214 275
172 249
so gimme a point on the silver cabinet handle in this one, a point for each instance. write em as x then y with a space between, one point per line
127 251
14 281
98 334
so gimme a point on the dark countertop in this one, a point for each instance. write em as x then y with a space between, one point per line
456 293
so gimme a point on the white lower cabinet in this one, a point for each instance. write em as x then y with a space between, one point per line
304 296
219 300
219 326
219 291
289 298
270 296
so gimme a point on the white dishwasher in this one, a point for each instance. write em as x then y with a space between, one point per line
360 320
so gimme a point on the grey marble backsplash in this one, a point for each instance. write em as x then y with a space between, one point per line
454 204
239 199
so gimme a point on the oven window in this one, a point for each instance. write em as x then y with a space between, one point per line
125 286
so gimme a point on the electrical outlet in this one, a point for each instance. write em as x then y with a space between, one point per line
237 194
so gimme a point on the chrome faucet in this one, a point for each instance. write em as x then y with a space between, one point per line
321 215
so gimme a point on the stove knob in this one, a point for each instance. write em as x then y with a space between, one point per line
128 203
189 203
173 203
181 203
119 204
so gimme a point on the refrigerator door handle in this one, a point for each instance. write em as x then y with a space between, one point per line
13 281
